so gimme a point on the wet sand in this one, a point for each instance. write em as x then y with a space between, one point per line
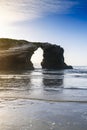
25 114
43 100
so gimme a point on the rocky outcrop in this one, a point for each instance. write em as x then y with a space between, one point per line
16 54
53 57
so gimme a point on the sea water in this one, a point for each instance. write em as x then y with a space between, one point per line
45 84
43 99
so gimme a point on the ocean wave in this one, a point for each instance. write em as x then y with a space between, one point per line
78 70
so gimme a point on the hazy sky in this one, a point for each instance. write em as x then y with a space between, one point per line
62 22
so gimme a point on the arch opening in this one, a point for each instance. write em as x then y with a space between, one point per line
37 58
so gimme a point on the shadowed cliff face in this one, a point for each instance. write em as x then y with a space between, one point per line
53 57
16 54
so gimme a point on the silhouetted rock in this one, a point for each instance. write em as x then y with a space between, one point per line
16 54
53 57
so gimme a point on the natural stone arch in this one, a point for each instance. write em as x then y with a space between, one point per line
16 54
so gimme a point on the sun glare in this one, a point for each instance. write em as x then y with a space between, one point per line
37 58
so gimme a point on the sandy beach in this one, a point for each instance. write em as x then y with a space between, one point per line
25 114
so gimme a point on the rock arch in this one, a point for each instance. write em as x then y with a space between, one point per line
16 54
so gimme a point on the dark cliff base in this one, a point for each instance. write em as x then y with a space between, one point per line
16 54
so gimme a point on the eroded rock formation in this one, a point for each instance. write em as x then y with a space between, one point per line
16 54
53 57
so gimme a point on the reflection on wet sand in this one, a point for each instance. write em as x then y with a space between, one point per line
14 81
55 80
31 84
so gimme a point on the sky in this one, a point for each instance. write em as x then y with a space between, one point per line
61 22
